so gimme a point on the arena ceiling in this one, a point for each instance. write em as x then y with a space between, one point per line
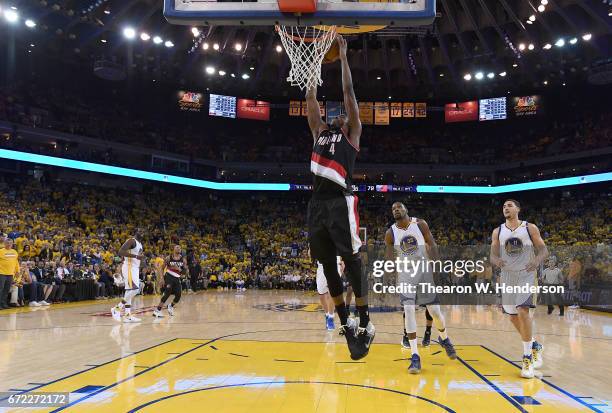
494 37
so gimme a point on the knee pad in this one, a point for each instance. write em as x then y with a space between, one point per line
334 283
355 275
410 318
427 315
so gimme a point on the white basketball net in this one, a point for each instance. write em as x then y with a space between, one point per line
306 47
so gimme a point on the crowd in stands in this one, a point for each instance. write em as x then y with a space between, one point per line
287 139
68 236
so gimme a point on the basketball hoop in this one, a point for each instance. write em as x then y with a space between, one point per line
306 47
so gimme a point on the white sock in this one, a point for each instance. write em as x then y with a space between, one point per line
413 346
527 347
443 335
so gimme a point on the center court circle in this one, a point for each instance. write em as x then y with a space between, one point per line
274 395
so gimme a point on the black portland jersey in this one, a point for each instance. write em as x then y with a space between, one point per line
332 162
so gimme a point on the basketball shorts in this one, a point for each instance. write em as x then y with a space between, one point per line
131 277
333 227
512 300
172 284
321 282
417 296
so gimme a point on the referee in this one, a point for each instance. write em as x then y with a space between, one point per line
9 267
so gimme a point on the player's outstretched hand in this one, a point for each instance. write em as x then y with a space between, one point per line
341 45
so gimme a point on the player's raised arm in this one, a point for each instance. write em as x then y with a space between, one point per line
350 101
314 114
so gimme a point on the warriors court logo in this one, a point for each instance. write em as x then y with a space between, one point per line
409 245
513 247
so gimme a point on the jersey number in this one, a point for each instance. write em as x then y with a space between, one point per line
332 148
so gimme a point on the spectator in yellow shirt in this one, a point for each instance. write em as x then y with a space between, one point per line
9 267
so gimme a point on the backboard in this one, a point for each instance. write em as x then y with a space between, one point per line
400 13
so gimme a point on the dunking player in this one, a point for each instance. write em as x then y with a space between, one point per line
176 268
333 223
326 302
411 238
512 250
131 251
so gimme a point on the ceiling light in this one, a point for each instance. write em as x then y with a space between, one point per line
30 23
103 40
106 11
560 43
467 76
378 77
11 16
205 46
544 2
129 33
245 76
238 47
573 40
541 8
531 46
532 18
479 75
157 40
210 70
545 82
490 75
441 74
389 98
252 68
216 46
144 37
587 37
529 22
195 31
522 46
514 65
503 74
168 44
233 75
279 48
221 72
547 46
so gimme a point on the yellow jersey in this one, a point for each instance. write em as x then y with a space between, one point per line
9 262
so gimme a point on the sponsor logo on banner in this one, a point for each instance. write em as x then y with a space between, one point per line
190 101
253 109
526 105
461 112
421 110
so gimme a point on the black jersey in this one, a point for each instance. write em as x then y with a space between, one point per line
332 162
175 267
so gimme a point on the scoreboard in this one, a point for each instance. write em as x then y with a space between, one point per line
493 109
224 106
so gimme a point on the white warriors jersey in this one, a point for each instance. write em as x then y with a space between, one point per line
516 247
131 266
409 242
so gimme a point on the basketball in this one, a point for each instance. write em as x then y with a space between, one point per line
332 54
